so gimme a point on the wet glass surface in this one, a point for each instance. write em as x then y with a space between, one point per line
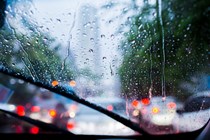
141 59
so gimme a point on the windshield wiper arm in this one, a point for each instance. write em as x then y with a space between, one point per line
64 92
40 124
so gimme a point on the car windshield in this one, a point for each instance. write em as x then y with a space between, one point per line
105 67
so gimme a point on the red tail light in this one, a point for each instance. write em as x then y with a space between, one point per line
109 107
52 113
20 110
171 105
70 125
145 101
73 107
135 103
18 129
35 109
34 130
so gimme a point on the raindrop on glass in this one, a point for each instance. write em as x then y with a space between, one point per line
91 50
102 36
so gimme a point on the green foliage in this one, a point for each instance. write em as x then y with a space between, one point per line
33 56
186 26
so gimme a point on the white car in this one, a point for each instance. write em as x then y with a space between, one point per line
158 114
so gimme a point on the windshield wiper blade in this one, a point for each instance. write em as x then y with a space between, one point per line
40 124
66 93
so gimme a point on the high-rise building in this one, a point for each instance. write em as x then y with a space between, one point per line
87 52
88 43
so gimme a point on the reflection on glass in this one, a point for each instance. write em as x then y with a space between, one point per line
49 107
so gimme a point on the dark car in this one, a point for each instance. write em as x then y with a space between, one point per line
196 109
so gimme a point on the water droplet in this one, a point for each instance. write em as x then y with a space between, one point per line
54 83
110 21
140 27
45 39
84 34
125 9
163 98
129 19
28 43
58 20
102 36
72 83
91 50
112 36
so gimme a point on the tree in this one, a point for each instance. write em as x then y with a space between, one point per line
163 49
2 13
32 53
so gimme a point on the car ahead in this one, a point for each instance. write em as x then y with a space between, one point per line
195 112
156 113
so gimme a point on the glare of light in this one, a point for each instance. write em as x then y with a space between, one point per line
35 116
12 81
34 130
72 114
171 105
52 113
54 83
109 107
35 109
163 98
145 101
9 107
135 103
20 110
12 107
155 110
135 113
72 83
73 107
70 125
